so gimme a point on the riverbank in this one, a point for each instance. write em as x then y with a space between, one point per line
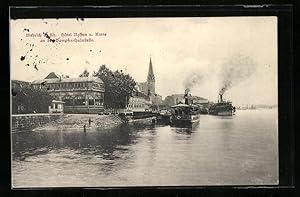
26 122
77 121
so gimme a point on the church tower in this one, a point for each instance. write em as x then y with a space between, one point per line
151 79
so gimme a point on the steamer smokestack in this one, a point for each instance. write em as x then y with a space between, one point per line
186 95
221 97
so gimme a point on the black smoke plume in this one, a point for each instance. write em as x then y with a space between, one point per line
195 77
235 70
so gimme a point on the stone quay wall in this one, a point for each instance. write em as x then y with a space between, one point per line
23 122
77 121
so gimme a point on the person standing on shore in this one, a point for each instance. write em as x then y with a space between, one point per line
84 128
90 121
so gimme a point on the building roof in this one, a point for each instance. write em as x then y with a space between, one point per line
197 98
137 88
177 95
64 80
19 82
59 102
180 105
191 97
143 87
52 75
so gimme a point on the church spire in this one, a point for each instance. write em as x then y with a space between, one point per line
151 76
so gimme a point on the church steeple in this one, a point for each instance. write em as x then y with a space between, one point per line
151 77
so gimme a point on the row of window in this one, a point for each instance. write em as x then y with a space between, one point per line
134 100
98 96
67 85
136 105
82 101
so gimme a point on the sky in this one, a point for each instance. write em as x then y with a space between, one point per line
201 53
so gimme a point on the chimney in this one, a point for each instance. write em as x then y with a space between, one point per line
221 98
186 95
186 100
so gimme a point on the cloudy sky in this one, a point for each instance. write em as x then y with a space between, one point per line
200 52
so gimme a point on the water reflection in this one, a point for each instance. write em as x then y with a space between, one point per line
183 131
186 130
224 117
104 142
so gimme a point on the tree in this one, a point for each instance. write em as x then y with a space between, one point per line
27 99
118 87
84 74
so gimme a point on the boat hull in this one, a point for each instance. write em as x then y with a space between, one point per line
222 109
191 122
225 113
222 113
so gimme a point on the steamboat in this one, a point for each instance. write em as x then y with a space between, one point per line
222 108
185 114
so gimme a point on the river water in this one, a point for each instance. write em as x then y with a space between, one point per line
238 150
